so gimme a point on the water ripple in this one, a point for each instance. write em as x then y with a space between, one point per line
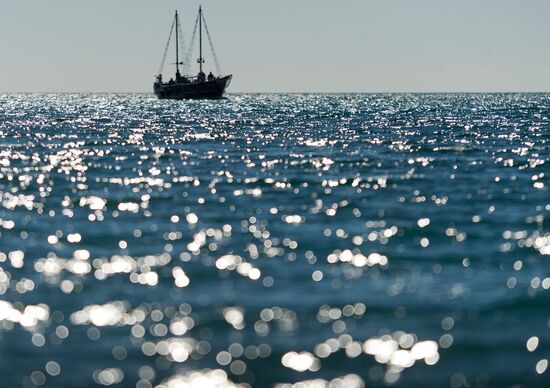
275 240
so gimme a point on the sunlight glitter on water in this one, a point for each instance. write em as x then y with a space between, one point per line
274 240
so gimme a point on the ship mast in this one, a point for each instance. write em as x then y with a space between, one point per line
177 45
200 60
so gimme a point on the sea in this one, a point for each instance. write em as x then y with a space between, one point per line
275 240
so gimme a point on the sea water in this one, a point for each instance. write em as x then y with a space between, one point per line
266 240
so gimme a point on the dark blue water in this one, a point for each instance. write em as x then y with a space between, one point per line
352 240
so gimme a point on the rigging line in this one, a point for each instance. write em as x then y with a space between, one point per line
189 54
166 48
182 42
214 56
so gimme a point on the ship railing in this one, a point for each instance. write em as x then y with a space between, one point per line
192 78
184 79
196 78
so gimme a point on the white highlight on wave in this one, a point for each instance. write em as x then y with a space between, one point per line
29 318
205 378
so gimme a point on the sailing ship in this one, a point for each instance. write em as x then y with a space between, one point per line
186 86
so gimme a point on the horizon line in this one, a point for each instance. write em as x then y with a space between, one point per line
292 92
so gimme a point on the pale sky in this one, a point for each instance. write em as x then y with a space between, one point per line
282 45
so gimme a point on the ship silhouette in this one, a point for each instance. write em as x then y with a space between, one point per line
187 86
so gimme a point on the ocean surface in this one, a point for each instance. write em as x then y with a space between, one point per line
319 240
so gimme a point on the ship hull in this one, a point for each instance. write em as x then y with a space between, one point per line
192 90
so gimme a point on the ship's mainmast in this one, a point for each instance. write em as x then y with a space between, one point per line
201 59
177 45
